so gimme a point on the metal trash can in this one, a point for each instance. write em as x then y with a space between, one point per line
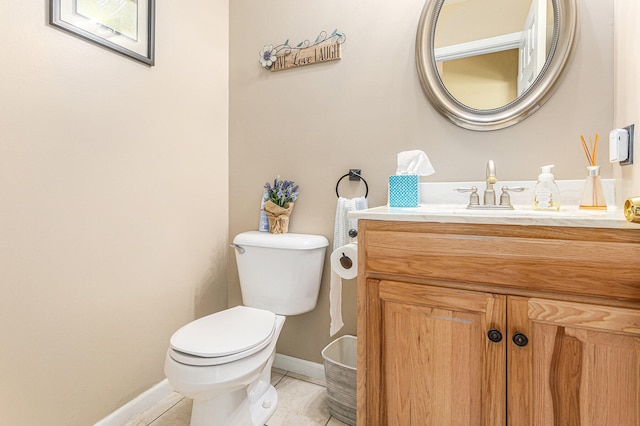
340 360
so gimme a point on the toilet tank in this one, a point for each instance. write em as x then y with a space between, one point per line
280 272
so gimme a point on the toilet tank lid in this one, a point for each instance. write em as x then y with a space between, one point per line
281 241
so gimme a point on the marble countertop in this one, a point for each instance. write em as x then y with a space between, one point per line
521 215
440 203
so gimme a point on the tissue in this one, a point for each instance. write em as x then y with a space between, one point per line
414 163
404 187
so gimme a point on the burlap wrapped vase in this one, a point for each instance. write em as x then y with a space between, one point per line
278 217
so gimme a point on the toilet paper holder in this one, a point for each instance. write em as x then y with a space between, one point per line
345 260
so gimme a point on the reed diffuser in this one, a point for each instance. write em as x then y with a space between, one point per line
593 195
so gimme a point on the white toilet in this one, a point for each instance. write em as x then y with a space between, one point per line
223 361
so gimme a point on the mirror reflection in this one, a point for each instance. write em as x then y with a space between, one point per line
489 52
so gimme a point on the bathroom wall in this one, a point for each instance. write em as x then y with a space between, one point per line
314 123
627 89
113 207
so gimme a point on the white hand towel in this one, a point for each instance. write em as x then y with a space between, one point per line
343 224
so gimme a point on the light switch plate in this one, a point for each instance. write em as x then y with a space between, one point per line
629 159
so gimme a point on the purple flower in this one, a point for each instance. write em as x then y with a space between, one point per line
282 191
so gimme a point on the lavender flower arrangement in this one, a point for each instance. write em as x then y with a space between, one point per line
282 191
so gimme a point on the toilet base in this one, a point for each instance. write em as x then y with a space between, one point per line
234 409
263 409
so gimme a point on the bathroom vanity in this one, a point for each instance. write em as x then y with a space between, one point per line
511 318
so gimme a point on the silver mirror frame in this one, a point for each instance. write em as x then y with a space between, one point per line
565 37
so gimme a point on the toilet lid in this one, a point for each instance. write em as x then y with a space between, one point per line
224 333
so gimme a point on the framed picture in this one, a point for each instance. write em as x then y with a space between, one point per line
125 26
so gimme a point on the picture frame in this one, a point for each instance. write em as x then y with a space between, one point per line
124 26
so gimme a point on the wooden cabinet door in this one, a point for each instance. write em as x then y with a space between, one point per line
581 365
437 365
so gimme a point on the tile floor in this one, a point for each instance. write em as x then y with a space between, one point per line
302 402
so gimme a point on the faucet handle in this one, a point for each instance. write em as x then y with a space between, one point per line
474 198
505 199
472 189
514 188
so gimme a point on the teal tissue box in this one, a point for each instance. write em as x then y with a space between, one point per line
404 191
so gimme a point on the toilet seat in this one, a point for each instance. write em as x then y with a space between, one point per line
223 337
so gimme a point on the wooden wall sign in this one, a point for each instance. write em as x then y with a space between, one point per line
282 57
308 56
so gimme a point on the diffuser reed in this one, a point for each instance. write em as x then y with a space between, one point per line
593 196
590 151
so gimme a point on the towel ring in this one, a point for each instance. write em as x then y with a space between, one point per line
354 174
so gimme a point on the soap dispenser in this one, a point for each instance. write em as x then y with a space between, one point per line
546 195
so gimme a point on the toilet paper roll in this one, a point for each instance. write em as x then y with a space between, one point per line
344 265
344 261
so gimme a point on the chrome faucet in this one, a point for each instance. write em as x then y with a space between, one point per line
490 193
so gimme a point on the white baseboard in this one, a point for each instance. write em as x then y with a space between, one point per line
157 393
299 366
138 405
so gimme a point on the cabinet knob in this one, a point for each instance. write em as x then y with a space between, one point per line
520 339
494 335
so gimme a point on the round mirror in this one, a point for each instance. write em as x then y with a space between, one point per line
489 64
